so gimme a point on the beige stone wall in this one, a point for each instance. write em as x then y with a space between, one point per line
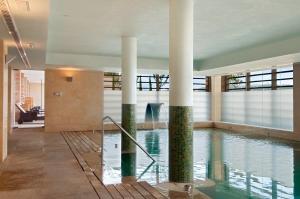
3 102
76 105
37 93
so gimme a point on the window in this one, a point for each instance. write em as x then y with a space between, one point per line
235 82
201 83
284 77
261 79
112 81
265 79
153 82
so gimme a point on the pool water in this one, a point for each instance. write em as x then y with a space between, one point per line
227 165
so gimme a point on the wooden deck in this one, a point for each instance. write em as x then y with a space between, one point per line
86 151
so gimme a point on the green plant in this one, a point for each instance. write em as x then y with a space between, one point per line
236 79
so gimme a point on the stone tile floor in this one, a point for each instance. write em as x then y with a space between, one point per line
41 165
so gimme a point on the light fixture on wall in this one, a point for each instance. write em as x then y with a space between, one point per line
69 79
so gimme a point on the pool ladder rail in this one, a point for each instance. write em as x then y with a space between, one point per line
126 133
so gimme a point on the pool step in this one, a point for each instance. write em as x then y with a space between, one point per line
86 152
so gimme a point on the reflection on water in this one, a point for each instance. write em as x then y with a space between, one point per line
228 165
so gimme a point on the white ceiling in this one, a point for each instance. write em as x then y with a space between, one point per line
75 32
94 27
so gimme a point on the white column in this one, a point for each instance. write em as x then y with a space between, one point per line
181 91
129 68
216 98
181 52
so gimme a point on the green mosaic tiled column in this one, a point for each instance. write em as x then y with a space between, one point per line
128 164
128 161
129 124
180 144
296 174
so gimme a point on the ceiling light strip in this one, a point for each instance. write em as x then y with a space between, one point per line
13 31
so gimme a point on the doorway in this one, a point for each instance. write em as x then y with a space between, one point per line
28 98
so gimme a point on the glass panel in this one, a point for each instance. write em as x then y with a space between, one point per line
269 108
285 77
113 101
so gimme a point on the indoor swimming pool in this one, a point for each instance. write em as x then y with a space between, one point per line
225 165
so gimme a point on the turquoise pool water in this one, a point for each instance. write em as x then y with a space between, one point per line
228 165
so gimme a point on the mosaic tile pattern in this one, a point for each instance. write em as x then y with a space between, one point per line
180 144
128 164
129 124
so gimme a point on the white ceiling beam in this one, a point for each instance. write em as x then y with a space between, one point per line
105 63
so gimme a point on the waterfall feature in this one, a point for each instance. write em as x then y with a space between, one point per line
152 112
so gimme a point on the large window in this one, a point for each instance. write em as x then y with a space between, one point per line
235 82
266 98
261 80
112 81
153 82
270 79
285 77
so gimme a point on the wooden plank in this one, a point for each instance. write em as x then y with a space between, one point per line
114 192
90 142
77 141
80 143
83 142
133 191
125 194
99 188
86 142
76 153
142 191
152 190
97 137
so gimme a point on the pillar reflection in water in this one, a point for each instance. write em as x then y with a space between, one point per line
152 145
216 169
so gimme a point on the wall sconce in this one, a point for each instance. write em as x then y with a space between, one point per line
69 79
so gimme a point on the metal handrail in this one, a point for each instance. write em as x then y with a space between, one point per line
126 133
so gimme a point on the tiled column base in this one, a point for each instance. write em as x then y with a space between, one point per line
296 174
180 144
128 161
128 164
129 124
